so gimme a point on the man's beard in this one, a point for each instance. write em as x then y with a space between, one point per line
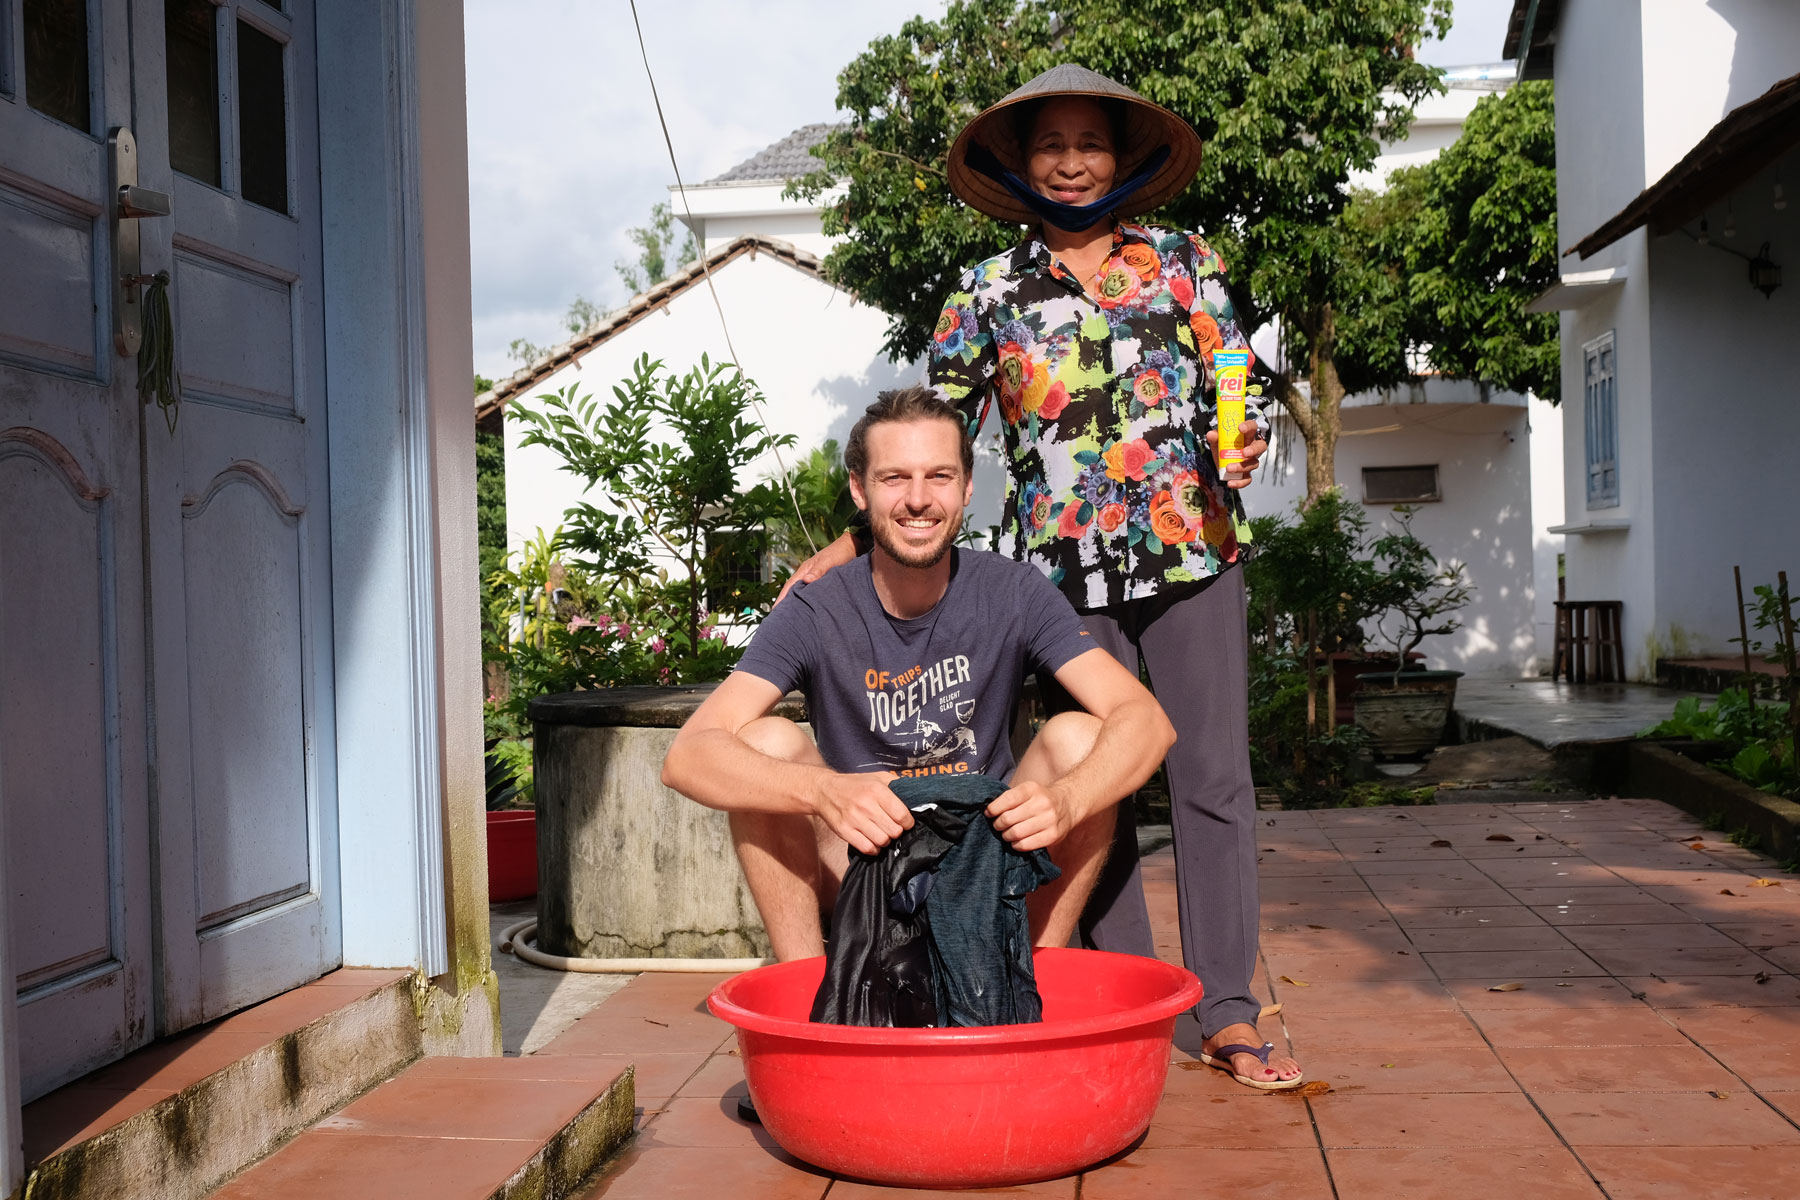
918 558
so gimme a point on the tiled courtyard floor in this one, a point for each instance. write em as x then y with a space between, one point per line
1647 1043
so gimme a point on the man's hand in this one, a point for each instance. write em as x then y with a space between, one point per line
1033 816
862 809
1237 474
836 554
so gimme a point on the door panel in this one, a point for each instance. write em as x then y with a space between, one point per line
47 305
73 773
246 719
238 543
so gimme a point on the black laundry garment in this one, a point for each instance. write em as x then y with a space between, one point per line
933 930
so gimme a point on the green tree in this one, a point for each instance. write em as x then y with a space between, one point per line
1290 98
665 456
818 486
1483 244
582 313
656 243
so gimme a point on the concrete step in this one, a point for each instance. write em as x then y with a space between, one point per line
533 1128
180 1117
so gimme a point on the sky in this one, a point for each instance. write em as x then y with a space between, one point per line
565 153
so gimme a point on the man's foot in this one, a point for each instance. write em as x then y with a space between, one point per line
1247 1066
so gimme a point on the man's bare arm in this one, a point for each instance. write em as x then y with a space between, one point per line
1134 736
711 764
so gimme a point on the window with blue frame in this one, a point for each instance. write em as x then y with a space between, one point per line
1600 391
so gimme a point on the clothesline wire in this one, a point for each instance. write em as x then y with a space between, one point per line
787 483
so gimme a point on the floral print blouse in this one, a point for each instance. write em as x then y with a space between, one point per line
1105 400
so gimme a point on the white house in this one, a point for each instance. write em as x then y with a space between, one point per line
1676 128
813 350
1481 466
239 728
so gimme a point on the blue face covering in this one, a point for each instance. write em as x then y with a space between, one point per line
1072 218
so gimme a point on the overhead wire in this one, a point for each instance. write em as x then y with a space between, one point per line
706 269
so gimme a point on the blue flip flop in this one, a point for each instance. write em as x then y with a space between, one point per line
1221 1058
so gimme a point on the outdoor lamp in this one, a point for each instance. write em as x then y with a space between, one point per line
1765 275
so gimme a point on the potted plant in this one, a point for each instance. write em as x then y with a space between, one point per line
1404 709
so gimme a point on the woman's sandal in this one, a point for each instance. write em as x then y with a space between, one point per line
1221 1058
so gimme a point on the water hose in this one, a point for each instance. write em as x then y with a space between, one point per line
515 940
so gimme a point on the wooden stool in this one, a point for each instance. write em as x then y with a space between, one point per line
1582 644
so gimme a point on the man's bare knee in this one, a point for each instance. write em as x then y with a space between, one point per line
1067 739
780 738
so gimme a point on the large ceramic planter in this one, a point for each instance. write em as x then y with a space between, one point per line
512 854
1405 714
1347 666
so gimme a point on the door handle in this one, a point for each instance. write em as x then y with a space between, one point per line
136 203
131 204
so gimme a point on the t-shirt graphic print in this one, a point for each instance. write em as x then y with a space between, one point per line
928 695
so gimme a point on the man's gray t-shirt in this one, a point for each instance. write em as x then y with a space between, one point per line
931 695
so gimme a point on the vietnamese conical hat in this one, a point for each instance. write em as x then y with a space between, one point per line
1146 127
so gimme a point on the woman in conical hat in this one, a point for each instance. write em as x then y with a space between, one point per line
1103 342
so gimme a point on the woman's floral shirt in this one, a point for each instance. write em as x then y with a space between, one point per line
1112 490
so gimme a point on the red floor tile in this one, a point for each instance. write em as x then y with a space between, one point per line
1506 937
1677 960
1512 964
1548 1173
447 1107
1331 996
1702 991
708 1121
1477 995
1763 1067
1238 1174
1502 916
1266 1121
1771 1027
1551 1025
1617 1069
1665 1119
1318 1031
1656 913
658 1075
1407 1070
706 1173
1640 1173
348 1166
1687 935
1433 1120
723 1075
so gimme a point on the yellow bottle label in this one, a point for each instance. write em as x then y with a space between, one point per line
1231 374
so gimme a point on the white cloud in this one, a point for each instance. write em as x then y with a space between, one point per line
565 153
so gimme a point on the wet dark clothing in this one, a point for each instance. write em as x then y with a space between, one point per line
933 931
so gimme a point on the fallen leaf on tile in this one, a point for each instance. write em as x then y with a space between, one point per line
1565 985
1295 982
1318 927
1766 883
1718 1095
1191 1064
1540 837
1498 837
1762 977
654 1021
1269 1010
1506 987
1696 845
1440 842
1726 892
1317 1087
1387 1066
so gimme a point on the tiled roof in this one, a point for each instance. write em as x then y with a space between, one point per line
489 404
790 158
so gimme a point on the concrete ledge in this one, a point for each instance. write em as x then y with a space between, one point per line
185 1146
1659 773
575 1155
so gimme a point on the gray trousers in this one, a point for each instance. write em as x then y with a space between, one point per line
1193 642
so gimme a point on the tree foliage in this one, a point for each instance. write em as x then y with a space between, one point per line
1289 97
582 313
656 246
1483 244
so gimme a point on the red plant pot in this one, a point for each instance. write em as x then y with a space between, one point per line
512 855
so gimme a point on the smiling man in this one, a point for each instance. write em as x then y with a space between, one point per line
911 660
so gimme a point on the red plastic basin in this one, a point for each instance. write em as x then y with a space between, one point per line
985 1107
512 854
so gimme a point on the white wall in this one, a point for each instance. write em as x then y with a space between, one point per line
814 352
1636 88
1726 421
1484 457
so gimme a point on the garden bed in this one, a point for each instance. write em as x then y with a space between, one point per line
1662 771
